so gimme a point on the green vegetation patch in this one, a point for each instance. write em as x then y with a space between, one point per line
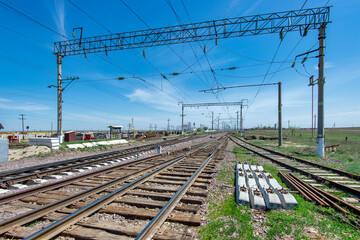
303 222
228 221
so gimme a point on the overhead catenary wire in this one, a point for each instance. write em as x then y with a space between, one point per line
207 59
108 59
147 25
18 12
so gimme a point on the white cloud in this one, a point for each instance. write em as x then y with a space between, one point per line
160 101
327 65
4 100
24 106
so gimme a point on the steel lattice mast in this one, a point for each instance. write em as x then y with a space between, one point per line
295 20
190 105
279 22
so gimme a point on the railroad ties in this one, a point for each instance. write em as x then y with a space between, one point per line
123 201
315 182
257 188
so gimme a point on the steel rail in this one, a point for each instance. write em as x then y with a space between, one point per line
31 191
39 212
343 187
329 201
57 227
72 163
149 231
341 172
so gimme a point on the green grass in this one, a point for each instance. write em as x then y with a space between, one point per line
347 154
294 223
228 221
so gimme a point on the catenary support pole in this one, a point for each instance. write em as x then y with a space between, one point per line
312 111
182 119
241 119
280 113
59 98
212 120
321 82
237 122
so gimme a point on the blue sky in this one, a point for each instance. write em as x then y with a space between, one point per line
96 100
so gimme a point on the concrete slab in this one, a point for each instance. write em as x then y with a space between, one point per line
272 200
4 150
77 170
256 199
316 184
53 177
36 181
337 177
351 200
309 180
88 168
88 144
3 191
66 173
260 168
17 186
75 146
354 186
250 181
287 200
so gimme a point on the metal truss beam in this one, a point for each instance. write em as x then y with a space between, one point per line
211 104
295 20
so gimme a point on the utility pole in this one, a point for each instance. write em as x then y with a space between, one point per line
312 105
182 119
212 120
279 117
241 118
168 127
22 121
288 124
150 127
315 122
155 127
321 82
59 98
219 123
237 121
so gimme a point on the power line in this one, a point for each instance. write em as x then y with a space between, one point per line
111 61
167 45
6 6
303 5
71 2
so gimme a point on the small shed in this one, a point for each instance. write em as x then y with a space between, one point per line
115 131
70 136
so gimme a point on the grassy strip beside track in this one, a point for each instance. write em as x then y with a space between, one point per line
229 221
299 143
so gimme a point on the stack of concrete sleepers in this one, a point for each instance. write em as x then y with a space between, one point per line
242 191
256 199
49 142
261 190
287 200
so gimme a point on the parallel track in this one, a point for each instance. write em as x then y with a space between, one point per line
160 178
10 177
339 179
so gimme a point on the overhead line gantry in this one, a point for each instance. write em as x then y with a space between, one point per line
278 22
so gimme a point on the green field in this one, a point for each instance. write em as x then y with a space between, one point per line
299 142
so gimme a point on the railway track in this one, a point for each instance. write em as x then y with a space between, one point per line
331 180
9 179
135 200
